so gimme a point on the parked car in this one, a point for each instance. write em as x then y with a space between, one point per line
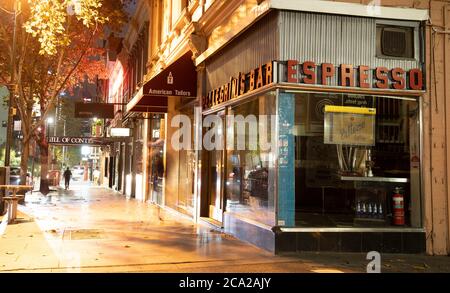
77 173
14 176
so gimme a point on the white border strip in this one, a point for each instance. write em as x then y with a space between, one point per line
370 10
355 229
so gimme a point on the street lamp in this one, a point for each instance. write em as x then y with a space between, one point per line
48 122
86 150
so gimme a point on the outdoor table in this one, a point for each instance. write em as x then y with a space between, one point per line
13 200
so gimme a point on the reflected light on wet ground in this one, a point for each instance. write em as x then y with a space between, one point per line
98 230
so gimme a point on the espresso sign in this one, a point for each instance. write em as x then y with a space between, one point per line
68 140
350 76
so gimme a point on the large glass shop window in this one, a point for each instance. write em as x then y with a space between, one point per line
250 171
356 161
186 174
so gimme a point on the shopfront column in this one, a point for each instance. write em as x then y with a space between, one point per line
172 158
133 160
145 162
286 168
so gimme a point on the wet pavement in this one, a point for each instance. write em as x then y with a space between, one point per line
93 229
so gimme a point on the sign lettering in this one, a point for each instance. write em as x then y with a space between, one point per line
349 125
309 72
351 76
240 85
67 140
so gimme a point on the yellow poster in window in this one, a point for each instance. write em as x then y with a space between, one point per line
349 125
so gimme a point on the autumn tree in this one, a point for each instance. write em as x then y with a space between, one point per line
55 49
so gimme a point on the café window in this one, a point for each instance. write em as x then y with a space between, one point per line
357 161
250 171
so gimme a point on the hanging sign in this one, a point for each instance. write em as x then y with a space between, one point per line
349 125
91 110
120 132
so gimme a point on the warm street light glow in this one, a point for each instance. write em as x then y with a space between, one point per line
85 150
50 120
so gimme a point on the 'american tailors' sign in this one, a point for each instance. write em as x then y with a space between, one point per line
178 79
310 73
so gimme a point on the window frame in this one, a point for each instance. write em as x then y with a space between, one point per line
399 24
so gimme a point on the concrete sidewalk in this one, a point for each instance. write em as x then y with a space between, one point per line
91 229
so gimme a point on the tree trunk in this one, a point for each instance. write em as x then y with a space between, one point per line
24 167
43 148
24 162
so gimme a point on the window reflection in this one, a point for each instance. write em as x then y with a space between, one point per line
250 174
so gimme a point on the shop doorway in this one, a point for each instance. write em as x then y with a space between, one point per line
156 158
215 175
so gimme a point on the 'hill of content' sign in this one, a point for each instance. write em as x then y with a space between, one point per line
69 140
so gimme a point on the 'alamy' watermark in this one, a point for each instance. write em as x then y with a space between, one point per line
374 266
250 133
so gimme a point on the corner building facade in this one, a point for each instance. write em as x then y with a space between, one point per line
358 95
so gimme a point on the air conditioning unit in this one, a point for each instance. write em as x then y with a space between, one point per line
395 41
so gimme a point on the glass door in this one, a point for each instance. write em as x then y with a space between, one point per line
156 158
186 173
215 174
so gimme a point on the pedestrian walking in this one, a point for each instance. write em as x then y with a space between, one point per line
67 175
96 176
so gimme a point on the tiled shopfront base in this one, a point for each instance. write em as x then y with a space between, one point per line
245 231
388 242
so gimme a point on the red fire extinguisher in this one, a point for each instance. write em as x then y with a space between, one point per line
398 208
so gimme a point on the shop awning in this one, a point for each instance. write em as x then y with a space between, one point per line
178 80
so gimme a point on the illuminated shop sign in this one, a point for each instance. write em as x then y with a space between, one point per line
350 76
349 125
69 140
120 132
310 73
240 85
